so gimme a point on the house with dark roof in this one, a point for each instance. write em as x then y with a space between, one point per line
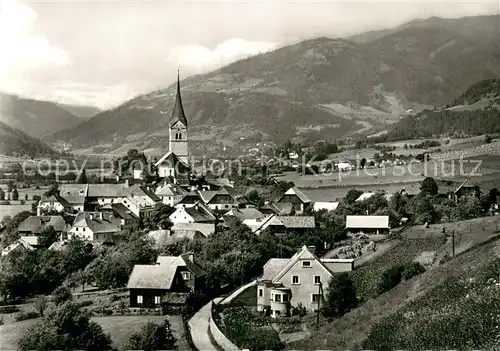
31 228
96 226
196 218
129 221
302 279
168 282
189 200
297 198
75 195
223 200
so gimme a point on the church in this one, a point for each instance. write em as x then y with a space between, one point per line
175 163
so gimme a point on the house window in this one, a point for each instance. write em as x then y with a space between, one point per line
295 279
76 229
315 297
277 313
285 297
261 292
83 229
186 275
306 263
317 279
157 300
139 299
277 298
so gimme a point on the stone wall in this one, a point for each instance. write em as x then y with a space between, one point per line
218 336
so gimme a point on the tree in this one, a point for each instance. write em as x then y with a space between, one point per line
341 296
352 196
160 218
41 305
61 295
153 337
48 236
15 194
11 235
10 186
363 162
67 328
54 190
26 197
429 186
83 177
426 213
2 194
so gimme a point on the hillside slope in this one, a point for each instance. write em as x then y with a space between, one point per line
34 117
315 82
79 111
474 112
423 295
14 141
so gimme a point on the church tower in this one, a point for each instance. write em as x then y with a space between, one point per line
178 128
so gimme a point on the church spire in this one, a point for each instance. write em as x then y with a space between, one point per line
178 111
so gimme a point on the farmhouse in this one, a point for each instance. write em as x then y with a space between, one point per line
31 228
367 224
295 197
223 199
170 193
168 282
95 226
285 224
301 279
328 206
53 203
129 221
75 195
280 209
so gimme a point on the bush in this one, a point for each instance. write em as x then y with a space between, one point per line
394 275
411 269
153 336
85 303
61 295
299 310
22 316
114 298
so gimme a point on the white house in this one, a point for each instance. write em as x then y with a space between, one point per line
170 194
199 213
95 226
327 205
368 224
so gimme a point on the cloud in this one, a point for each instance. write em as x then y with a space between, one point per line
200 59
23 51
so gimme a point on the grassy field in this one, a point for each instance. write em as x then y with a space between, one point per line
248 297
118 327
353 328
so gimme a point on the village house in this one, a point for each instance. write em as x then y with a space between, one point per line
302 279
295 197
95 226
170 193
99 195
189 200
285 224
129 221
367 224
195 218
53 203
223 199
18 245
75 195
31 228
169 282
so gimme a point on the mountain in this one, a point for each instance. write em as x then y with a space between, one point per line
34 117
84 112
317 89
14 141
474 112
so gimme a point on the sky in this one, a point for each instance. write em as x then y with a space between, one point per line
101 54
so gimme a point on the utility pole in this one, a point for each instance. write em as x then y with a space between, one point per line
453 242
320 296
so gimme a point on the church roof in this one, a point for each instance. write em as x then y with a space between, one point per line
178 111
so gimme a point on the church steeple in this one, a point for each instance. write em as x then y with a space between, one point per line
178 111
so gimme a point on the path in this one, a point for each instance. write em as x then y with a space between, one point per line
198 327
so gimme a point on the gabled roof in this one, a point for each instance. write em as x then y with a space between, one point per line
273 266
161 275
372 222
365 196
36 224
74 194
190 198
200 213
295 191
55 198
245 213
303 254
121 211
208 195
172 159
119 190
283 208
108 224
170 190
178 114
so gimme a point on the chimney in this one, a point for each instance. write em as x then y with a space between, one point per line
127 183
91 217
122 222
38 211
100 216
